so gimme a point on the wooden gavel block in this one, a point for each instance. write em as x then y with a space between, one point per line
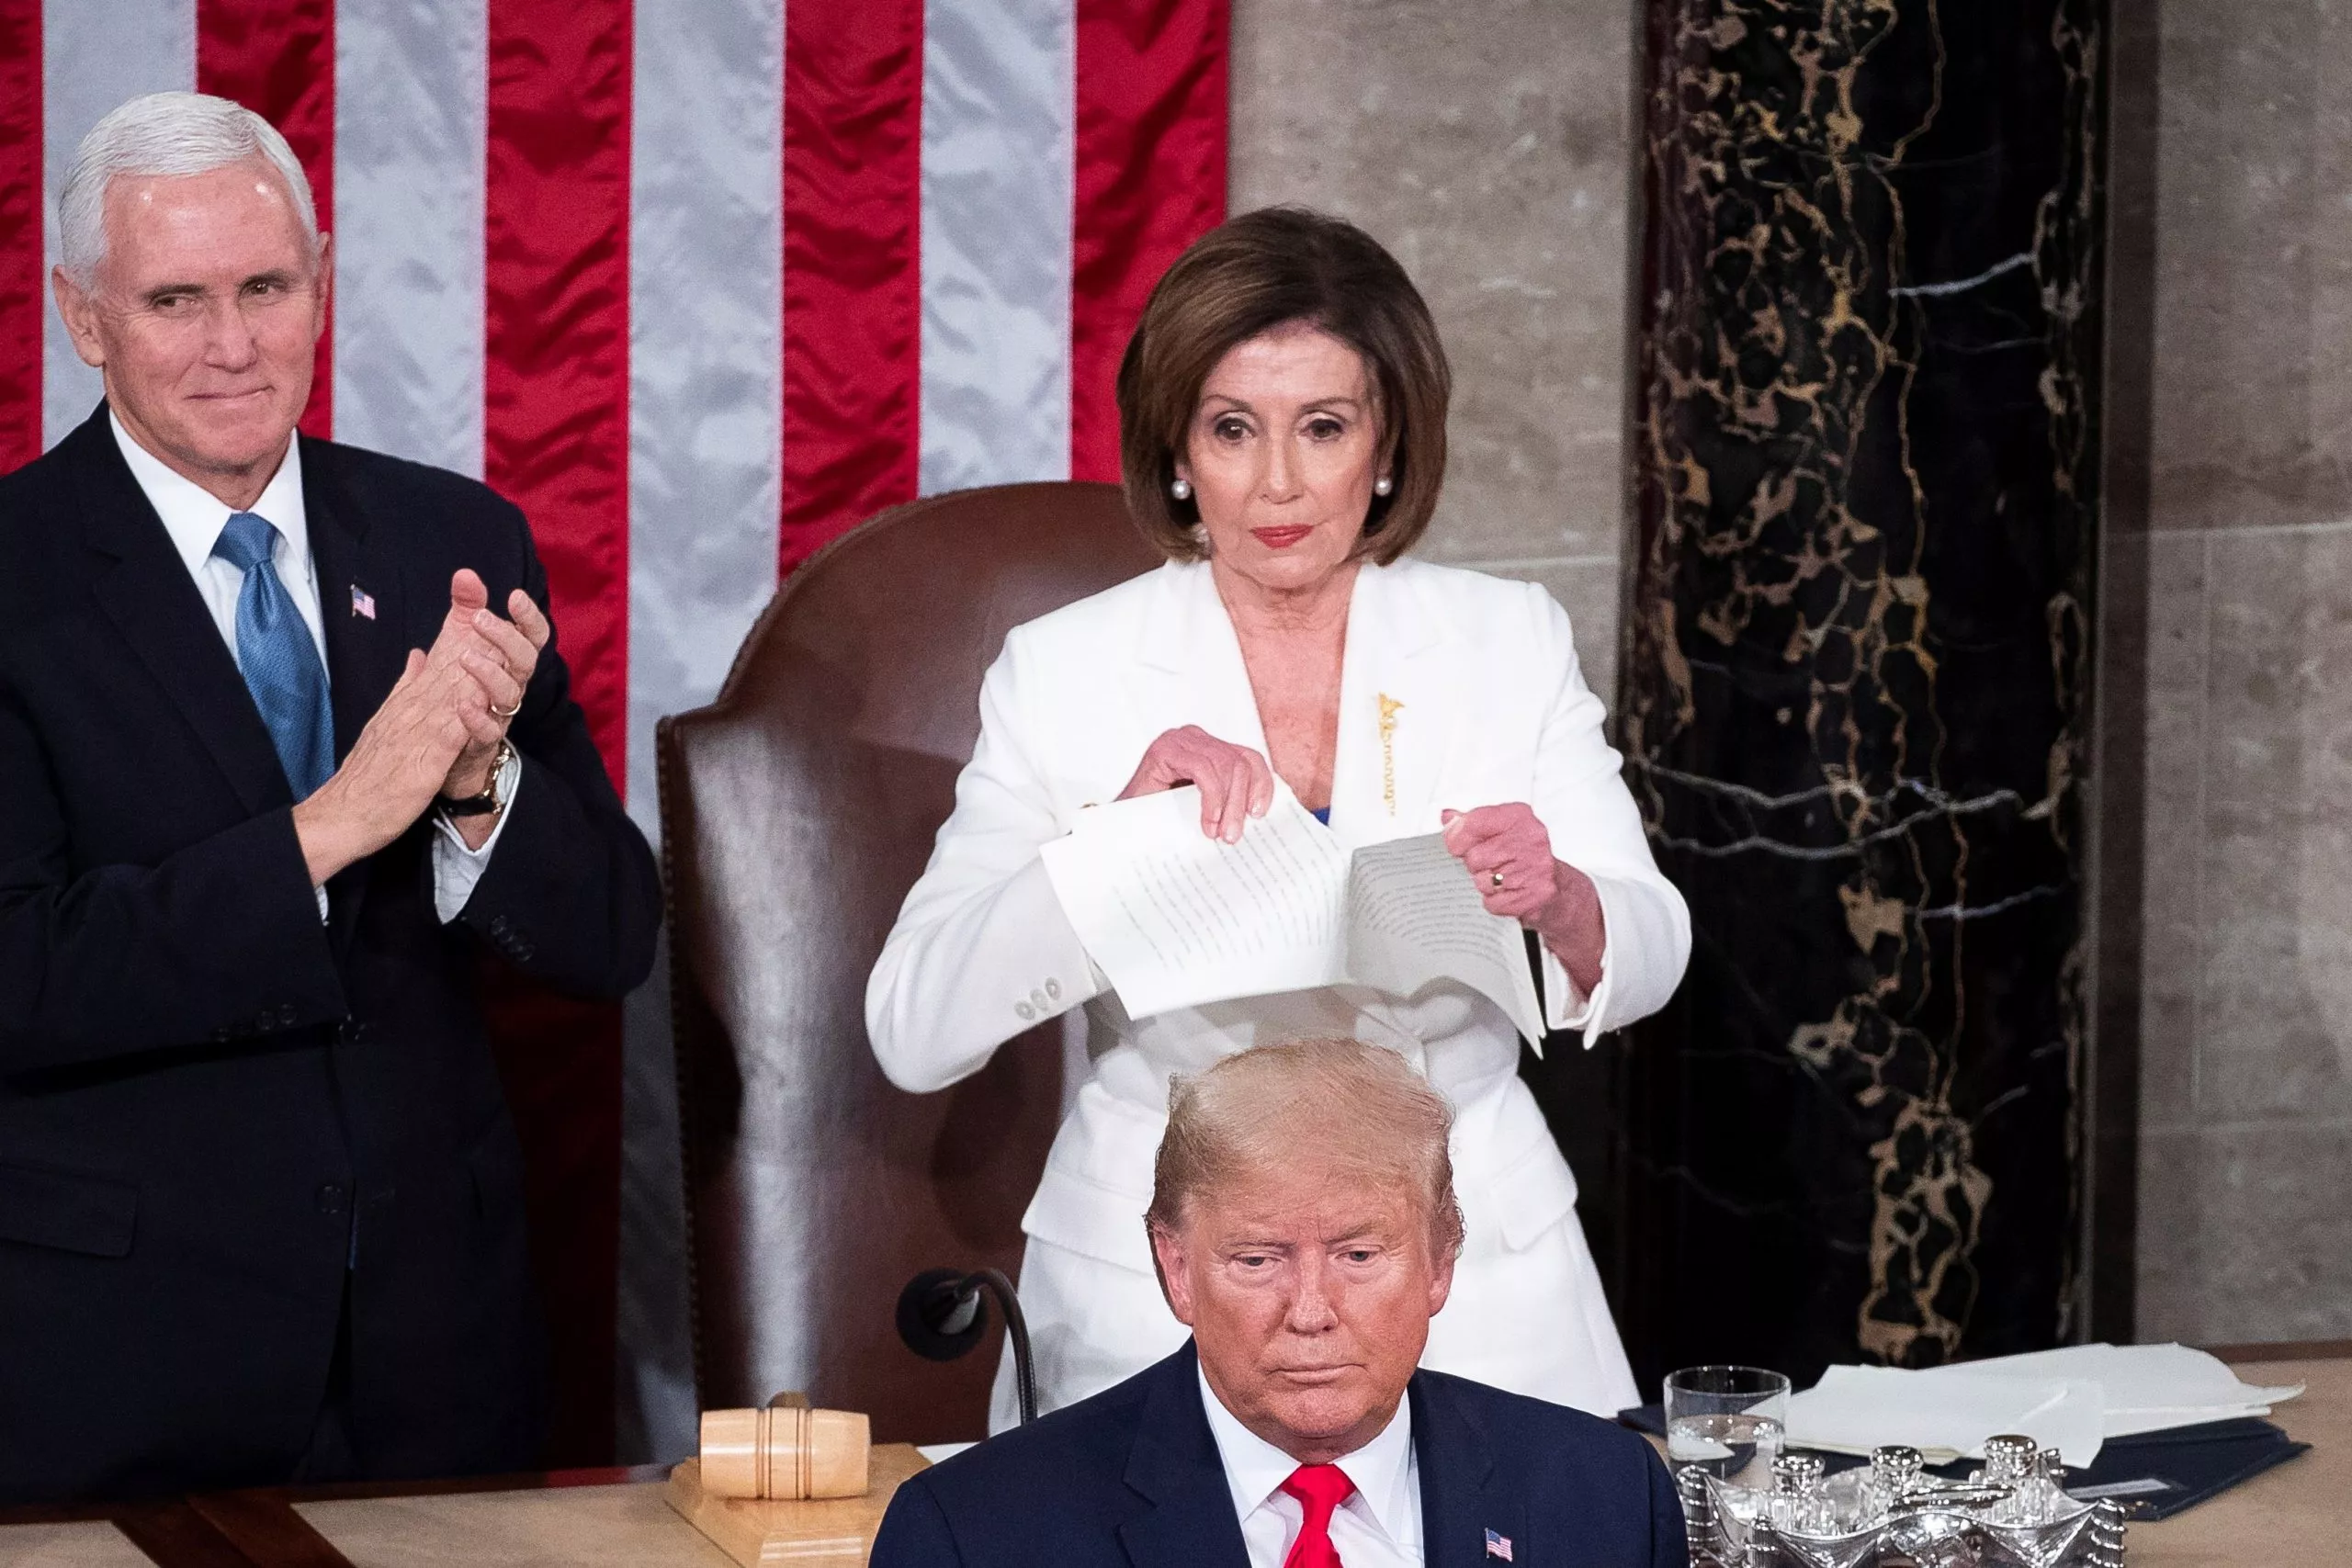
784 1451
790 1484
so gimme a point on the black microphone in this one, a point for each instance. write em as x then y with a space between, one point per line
942 1313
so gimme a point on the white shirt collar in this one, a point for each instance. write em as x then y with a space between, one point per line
194 516
1255 1469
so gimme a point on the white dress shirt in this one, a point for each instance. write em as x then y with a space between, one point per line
1378 1526
193 517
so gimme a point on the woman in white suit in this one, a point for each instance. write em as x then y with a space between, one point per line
1283 410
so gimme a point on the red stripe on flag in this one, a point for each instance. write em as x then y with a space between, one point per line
277 57
555 440
22 295
1152 136
555 378
853 277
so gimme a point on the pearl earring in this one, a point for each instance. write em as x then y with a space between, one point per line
1383 485
1181 489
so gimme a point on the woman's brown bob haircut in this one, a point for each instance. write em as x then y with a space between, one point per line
1254 273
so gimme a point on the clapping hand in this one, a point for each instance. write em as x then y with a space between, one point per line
435 733
500 655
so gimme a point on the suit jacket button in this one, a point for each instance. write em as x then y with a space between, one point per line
1038 1000
1024 1012
498 926
331 1197
287 1013
1053 989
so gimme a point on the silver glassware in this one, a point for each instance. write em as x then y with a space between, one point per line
2009 1514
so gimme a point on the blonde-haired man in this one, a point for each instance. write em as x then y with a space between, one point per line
1304 1225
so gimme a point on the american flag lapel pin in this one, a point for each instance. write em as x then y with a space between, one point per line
1498 1546
362 601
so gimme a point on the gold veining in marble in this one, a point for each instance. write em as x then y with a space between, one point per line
1785 516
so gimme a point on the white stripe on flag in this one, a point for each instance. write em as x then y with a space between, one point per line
706 354
410 113
95 54
999 100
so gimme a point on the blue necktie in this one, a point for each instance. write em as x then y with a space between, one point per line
277 657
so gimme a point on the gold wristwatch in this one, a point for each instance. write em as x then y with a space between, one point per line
492 800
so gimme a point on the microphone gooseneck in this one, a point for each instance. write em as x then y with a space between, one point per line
942 1313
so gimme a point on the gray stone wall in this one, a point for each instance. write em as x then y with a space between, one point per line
2245 1142
1486 144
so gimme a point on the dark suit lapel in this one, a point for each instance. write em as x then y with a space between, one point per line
351 557
1460 1499
1175 1467
365 653
160 614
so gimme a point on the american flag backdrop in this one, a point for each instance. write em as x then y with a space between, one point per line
699 283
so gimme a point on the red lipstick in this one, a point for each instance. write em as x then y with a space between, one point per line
1281 539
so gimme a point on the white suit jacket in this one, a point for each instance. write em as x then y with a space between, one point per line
1486 707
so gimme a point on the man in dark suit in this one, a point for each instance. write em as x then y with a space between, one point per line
1304 1226
272 774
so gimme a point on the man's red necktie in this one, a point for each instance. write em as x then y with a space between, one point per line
1319 1488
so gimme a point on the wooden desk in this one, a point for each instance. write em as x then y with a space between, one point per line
2300 1513
628 1526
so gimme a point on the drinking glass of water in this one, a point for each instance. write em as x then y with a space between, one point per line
1727 1421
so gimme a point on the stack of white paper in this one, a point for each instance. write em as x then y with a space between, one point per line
1945 1413
2071 1399
2151 1388
1179 920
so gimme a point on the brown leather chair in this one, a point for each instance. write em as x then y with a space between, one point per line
796 810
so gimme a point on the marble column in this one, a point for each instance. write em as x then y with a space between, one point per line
1855 681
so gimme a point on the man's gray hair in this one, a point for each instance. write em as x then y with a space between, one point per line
169 134
1340 1101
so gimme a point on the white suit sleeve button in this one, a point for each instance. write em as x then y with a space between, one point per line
1024 1012
1053 989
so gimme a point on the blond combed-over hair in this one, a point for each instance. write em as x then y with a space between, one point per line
1326 1100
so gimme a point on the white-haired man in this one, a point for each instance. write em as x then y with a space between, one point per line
1305 1228
271 767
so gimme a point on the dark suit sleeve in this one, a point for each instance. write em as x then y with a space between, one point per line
220 940
571 895
1670 1538
914 1532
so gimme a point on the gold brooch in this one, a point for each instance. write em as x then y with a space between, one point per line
1388 707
